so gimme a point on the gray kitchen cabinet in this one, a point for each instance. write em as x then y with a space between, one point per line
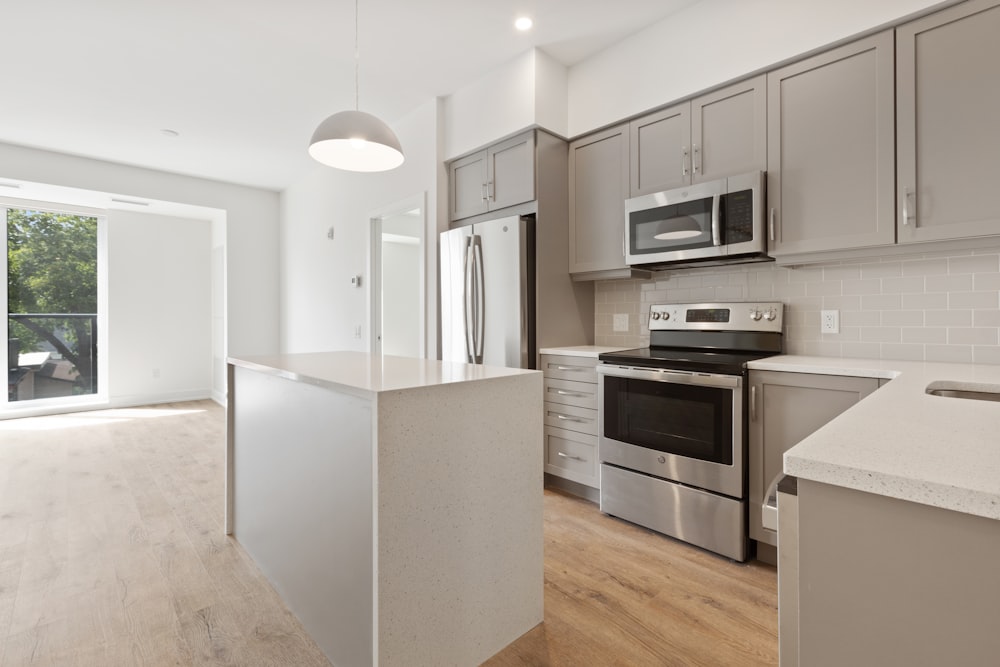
948 103
831 150
502 175
785 408
598 187
717 134
570 418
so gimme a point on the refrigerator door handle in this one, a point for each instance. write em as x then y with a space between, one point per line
480 299
469 310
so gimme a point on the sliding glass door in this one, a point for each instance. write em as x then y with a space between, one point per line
52 299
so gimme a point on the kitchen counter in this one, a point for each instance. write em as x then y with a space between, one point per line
395 504
362 374
901 442
581 350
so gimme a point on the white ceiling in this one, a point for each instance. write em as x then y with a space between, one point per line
246 82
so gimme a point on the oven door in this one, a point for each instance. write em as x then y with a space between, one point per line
681 426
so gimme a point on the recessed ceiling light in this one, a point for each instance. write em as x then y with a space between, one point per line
523 23
170 133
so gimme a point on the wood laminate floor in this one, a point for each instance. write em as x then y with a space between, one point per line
112 553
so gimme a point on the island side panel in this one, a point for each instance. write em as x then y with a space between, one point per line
460 572
884 581
302 504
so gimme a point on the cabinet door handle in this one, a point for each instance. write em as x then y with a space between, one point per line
684 161
697 158
485 192
491 192
906 206
569 419
753 403
770 224
568 456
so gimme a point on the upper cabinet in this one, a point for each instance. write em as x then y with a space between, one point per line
831 152
499 176
598 187
712 136
948 107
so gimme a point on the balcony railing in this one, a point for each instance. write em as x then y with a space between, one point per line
51 355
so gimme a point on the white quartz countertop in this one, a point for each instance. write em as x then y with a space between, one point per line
363 374
902 442
582 350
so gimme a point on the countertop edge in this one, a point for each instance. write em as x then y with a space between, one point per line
836 454
591 351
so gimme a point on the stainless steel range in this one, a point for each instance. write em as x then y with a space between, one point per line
672 421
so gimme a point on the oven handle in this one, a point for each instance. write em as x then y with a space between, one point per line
716 220
674 377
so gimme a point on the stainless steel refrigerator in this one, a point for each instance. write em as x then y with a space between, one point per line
488 293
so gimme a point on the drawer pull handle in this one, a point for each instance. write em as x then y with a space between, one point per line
563 392
568 456
570 368
569 419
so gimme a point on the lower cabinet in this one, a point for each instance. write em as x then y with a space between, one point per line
571 418
785 408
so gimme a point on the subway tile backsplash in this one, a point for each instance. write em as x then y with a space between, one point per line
934 307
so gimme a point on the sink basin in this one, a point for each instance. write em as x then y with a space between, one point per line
967 390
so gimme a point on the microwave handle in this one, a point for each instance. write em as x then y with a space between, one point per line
716 222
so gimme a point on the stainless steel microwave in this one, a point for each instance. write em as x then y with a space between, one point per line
719 221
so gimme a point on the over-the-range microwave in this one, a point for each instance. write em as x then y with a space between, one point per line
715 222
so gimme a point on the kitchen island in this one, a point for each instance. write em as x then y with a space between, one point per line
395 504
897 521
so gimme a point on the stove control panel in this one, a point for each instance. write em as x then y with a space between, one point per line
733 316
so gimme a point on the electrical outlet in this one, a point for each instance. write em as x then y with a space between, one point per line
621 322
829 321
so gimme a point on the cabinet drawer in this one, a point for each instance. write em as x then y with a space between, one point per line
567 392
580 369
571 456
571 418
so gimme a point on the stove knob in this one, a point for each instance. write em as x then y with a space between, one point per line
661 459
755 315
655 315
666 316
770 314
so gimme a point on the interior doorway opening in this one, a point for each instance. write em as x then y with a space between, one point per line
398 279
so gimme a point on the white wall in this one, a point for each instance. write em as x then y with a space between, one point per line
709 43
529 90
159 337
319 306
250 230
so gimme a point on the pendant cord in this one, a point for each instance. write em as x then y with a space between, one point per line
357 56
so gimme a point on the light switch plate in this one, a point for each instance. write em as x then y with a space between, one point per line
621 322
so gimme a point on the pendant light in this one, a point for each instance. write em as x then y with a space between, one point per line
355 140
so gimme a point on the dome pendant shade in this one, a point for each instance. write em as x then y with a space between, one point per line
356 141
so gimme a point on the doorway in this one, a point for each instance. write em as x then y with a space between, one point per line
398 279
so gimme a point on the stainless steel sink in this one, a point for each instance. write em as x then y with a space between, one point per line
967 390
